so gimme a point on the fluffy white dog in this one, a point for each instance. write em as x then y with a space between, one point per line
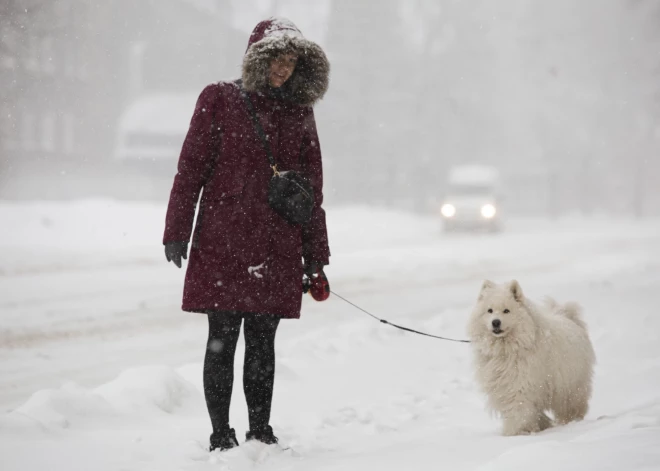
531 358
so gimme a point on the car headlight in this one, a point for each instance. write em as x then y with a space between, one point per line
488 211
448 210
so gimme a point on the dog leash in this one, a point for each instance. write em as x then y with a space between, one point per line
383 321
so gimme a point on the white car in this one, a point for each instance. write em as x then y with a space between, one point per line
471 201
152 129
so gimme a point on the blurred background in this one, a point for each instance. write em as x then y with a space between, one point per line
562 97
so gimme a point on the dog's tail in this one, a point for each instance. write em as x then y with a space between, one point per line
570 310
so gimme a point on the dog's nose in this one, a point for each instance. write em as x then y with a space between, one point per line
497 323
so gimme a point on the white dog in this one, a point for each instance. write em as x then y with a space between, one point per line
531 359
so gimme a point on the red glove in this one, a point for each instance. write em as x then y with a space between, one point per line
316 282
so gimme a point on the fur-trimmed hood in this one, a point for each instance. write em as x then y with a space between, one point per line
272 37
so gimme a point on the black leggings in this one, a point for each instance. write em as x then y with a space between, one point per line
258 369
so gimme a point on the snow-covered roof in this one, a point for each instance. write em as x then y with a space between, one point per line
164 112
473 174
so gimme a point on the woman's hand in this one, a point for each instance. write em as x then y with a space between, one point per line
316 282
312 268
174 251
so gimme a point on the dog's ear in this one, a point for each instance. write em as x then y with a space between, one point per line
487 285
516 290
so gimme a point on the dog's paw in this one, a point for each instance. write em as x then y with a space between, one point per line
520 431
527 428
545 422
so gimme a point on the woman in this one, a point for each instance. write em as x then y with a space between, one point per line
246 261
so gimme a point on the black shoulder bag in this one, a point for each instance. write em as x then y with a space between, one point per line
289 194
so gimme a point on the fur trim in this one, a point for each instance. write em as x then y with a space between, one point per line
310 79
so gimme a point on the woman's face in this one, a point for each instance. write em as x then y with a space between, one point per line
281 69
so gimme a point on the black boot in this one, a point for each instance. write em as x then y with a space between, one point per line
264 435
224 440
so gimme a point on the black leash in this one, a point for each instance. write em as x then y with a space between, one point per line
397 326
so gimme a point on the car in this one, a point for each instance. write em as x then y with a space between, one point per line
471 199
151 132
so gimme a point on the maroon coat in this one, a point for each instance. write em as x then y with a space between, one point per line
244 256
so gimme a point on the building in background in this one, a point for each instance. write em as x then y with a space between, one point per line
69 68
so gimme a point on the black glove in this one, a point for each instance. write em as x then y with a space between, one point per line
311 268
174 251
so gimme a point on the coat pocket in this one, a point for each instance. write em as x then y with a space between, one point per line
217 213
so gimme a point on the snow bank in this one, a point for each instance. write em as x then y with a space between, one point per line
137 392
156 389
61 408
55 236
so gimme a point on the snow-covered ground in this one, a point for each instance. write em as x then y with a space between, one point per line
100 370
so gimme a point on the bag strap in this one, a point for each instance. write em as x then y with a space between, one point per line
260 131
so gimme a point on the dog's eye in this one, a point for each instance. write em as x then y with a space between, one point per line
490 311
506 311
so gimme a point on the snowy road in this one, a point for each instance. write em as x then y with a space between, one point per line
91 324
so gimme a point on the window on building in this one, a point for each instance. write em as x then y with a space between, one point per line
32 53
28 131
68 133
48 132
70 59
7 129
8 47
46 55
